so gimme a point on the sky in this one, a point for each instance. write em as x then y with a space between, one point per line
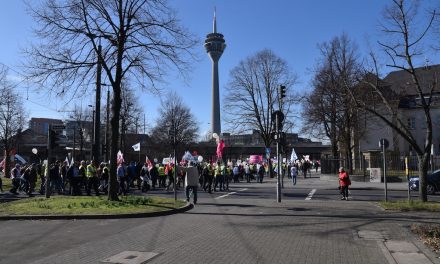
292 29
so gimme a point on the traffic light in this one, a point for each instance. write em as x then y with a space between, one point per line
282 91
54 139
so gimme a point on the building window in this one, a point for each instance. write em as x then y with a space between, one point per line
411 123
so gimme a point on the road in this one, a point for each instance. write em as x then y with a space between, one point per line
245 225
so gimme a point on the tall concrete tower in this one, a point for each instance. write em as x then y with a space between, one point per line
215 45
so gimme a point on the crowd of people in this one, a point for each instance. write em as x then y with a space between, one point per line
87 177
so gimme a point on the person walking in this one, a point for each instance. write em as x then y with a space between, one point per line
32 179
293 174
169 172
16 179
191 181
75 179
121 172
344 182
92 178
153 175
162 176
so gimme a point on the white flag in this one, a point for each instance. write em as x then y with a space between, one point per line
137 147
293 156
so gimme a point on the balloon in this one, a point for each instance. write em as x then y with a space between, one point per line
35 151
200 158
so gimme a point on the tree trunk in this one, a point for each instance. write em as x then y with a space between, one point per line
113 187
423 161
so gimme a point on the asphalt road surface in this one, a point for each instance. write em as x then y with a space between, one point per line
244 225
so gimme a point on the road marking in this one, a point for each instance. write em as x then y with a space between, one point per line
309 197
226 195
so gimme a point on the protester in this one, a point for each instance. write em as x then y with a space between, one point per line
191 181
16 179
122 178
293 174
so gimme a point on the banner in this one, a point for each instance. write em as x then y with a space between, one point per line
119 158
137 147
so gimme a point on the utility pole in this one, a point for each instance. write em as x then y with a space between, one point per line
97 123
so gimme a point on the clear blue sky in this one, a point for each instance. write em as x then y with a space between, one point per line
291 28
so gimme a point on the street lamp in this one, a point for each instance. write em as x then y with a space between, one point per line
172 131
92 153
107 143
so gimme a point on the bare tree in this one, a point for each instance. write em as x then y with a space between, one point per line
12 116
140 40
404 45
329 110
83 126
131 113
252 95
175 114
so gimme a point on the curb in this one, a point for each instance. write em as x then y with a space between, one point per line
182 209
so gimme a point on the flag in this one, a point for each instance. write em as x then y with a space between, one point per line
293 156
220 147
187 156
149 164
137 147
119 158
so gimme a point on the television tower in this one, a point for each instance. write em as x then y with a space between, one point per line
215 45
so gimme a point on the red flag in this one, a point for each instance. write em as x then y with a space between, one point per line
119 158
220 147
149 164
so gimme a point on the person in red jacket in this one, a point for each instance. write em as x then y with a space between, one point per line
344 182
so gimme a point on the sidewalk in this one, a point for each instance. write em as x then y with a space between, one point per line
397 186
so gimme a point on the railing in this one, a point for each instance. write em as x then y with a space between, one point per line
395 164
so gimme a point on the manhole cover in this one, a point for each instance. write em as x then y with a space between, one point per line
130 257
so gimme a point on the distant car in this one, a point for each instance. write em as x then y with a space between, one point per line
432 183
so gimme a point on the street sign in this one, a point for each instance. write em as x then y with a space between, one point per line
279 114
383 143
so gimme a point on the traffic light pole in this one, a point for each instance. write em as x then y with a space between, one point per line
278 161
47 169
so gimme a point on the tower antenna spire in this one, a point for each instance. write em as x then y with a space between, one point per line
215 21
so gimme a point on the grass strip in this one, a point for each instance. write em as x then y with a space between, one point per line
86 205
405 205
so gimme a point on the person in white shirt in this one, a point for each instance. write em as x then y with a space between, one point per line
191 181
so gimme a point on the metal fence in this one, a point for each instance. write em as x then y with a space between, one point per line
395 164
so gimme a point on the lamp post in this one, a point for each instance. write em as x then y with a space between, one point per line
92 153
172 132
97 113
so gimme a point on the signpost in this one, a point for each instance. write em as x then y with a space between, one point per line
278 116
383 143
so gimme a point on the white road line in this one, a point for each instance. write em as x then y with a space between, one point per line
309 197
226 195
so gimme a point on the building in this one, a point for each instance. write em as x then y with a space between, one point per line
407 103
41 125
